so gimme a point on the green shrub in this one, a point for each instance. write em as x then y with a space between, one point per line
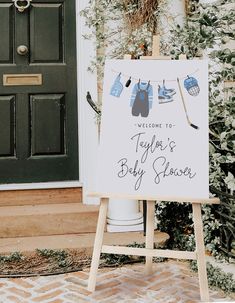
217 278
13 257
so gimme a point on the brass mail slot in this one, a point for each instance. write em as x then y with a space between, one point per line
22 79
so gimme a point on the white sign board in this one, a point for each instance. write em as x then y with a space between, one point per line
154 132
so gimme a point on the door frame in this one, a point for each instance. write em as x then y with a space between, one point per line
87 128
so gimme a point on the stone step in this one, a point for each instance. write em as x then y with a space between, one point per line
83 242
40 196
47 219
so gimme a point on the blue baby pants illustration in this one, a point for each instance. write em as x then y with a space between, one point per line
141 99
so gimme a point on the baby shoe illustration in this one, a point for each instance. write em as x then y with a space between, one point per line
165 95
169 91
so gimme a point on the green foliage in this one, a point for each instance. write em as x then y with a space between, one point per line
209 26
217 278
174 219
13 257
60 256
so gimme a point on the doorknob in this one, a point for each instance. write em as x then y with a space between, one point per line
21 5
22 50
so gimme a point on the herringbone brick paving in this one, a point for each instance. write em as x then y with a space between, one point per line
172 282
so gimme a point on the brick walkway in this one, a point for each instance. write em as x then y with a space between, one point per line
171 282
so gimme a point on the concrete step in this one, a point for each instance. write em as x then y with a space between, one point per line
47 219
40 196
83 242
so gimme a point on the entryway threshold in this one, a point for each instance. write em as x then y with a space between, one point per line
41 185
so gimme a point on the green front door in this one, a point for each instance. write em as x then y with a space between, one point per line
38 101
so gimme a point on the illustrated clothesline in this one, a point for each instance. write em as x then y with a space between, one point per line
153 81
142 93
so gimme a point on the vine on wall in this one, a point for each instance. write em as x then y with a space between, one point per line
125 25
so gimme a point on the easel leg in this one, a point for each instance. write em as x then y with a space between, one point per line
200 250
98 243
149 235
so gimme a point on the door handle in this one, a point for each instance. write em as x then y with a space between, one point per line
22 50
21 5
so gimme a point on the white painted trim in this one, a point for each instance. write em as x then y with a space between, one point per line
88 131
40 185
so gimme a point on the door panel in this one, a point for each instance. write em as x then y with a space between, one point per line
7 126
48 124
7 39
39 122
46 38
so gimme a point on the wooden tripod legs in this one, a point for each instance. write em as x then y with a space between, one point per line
98 243
200 247
200 251
149 235
199 239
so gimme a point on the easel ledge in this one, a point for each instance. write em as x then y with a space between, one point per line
212 200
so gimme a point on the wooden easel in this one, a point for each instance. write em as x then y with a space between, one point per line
149 252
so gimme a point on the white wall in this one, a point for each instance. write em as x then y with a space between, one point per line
87 129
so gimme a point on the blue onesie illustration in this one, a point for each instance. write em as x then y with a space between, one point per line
117 87
141 99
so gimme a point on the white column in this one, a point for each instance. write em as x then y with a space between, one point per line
124 215
206 1
173 13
